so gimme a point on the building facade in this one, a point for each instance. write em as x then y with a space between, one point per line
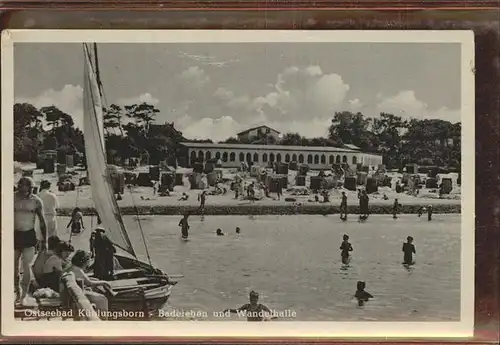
317 157
258 132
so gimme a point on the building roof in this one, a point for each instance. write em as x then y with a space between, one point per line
353 147
268 147
257 127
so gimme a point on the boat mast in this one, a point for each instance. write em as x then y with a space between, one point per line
99 84
98 75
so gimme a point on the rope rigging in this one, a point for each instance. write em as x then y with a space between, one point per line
140 226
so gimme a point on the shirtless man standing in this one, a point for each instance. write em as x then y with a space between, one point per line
26 208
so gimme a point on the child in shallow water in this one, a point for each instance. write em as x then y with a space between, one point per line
345 248
408 250
219 232
76 222
361 295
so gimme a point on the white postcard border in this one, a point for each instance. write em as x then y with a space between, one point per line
464 328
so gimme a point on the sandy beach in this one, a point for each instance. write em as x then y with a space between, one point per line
143 201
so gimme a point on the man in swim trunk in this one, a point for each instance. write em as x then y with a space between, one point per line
26 208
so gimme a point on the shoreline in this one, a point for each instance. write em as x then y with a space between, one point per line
255 209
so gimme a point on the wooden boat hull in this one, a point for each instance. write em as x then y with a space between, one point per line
138 287
154 300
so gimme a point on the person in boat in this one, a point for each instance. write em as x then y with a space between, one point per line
219 232
238 230
50 205
92 244
345 248
55 266
408 250
395 209
76 222
254 310
79 263
361 294
104 254
343 207
27 207
42 257
184 226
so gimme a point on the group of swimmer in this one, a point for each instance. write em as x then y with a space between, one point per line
346 248
184 225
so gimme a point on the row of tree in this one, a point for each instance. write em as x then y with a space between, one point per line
130 131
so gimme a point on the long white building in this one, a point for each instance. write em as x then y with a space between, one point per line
317 157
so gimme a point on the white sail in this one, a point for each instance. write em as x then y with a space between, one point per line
100 181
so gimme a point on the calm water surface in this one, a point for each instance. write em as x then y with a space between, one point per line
294 263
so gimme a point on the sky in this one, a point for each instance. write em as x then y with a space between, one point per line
216 90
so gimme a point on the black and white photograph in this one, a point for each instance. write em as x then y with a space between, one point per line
198 182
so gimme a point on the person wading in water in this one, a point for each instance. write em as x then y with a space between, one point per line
345 248
104 254
184 226
76 222
26 208
343 207
361 294
408 250
395 209
254 310
202 198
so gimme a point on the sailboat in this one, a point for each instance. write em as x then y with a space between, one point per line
137 285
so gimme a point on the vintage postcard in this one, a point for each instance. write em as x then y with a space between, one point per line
195 182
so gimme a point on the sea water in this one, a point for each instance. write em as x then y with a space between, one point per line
294 263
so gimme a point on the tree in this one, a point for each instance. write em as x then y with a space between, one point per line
27 130
26 117
350 128
291 139
231 140
142 114
112 118
435 139
53 116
